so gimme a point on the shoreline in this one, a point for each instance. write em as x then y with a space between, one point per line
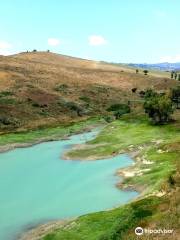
126 172
36 233
130 172
11 146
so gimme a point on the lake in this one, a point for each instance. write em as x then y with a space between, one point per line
37 186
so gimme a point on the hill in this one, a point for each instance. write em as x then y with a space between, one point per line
43 88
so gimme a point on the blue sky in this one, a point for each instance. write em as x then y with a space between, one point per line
110 30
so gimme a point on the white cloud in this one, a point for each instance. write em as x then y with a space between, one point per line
5 47
96 40
53 42
170 59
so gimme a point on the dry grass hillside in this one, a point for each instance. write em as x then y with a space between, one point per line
43 88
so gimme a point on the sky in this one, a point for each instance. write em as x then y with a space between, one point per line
128 31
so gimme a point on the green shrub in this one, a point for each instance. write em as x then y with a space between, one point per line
119 106
9 121
74 107
5 93
8 101
85 99
150 93
119 109
35 104
44 113
61 88
108 118
5 120
119 113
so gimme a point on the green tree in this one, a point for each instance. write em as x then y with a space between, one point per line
172 74
137 71
179 77
175 96
158 107
175 75
145 72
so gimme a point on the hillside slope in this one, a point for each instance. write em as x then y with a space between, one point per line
42 88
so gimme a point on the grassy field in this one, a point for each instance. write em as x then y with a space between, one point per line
120 135
158 207
116 224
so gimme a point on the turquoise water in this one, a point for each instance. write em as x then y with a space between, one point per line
37 186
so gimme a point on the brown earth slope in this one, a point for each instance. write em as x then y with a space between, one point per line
42 88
